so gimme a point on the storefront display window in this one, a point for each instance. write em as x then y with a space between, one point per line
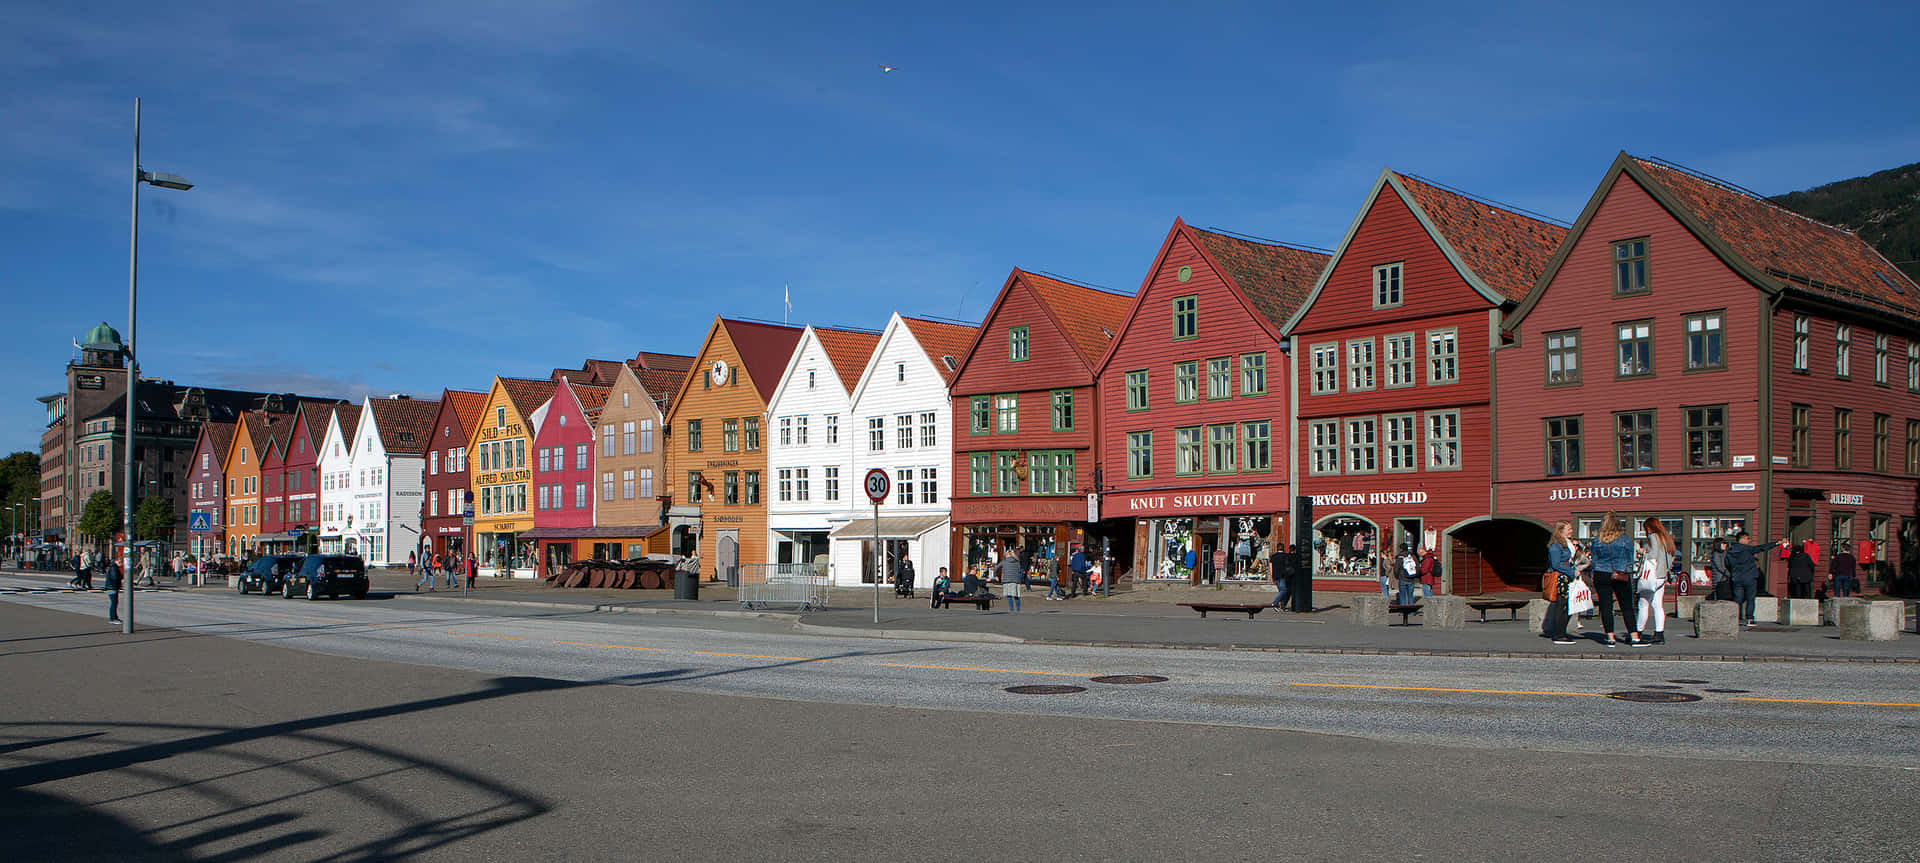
1346 547
1208 549
986 543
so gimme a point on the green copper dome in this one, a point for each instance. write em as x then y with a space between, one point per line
102 338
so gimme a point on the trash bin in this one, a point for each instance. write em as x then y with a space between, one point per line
686 585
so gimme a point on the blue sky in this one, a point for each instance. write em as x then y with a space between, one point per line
404 196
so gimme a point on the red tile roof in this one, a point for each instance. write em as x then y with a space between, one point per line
265 429
1089 317
591 398
764 349
1507 250
406 425
527 395
663 362
467 407
1275 277
849 351
660 384
1804 255
942 339
349 416
220 435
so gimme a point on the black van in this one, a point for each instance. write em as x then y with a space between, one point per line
328 575
267 574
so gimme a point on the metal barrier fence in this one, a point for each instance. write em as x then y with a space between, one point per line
801 585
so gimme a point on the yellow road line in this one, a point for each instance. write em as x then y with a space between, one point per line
1816 701
1445 689
616 646
990 670
484 635
758 656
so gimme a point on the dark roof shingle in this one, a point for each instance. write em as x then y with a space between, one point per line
849 351
406 425
1507 250
1276 278
942 339
1089 317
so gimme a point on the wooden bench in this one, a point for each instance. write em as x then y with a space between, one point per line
1251 609
1512 606
1406 612
983 601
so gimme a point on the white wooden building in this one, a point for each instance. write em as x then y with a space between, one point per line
336 480
905 427
387 479
811 485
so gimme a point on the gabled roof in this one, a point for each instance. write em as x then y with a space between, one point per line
1276 278
603 371
219 436
1774 249
661 384
591 399
406 425
662 362
1507 250
849 351
349 417
263 428
467 408
527 395
942 339
1088 317
764 349
315 415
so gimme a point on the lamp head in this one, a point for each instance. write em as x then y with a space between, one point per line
166 181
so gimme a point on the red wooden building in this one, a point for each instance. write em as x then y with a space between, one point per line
207 490
1193 403
1696 354
301 470
1393 366
442 522
1024 395
273 483
563 473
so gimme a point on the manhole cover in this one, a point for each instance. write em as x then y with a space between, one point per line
1729 691
1658 686
1646 697
1045 689
1695 682
1130 678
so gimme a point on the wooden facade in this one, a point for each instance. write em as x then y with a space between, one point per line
564 469
1392 363
207 489
446 482
500 477
631 460
716 445
1025 422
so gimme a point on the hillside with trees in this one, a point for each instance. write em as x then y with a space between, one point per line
1883 208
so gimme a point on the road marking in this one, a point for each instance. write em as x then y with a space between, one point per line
615 646
990 670
758 656
484 635
1816 701
1445 689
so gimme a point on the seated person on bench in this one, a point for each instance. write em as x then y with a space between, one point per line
970 585
941 585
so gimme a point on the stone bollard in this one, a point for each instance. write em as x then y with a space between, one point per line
1717 619
1369 609
1537 615
1830 609
1870 621
1445 612
1766 609
1683 606
1800 612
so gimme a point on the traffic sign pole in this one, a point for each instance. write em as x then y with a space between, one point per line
877 486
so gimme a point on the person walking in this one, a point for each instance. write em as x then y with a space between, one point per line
1845 571
1282 567
1651 587
1799 574
1082 572
77 570
426 573
1743 567
113 592
1013 578
1613 573
1429 572
1560 572
473 570
1406 568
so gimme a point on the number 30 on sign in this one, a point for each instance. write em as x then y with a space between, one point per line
877 485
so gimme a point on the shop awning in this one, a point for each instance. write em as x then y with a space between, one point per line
891 527
617 531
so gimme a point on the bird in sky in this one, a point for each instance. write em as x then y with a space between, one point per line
884 68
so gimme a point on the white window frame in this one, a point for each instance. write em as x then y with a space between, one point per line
1389 289
1443 355
1360 364
1443 440
1399 360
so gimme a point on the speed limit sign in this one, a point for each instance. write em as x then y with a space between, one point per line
877 486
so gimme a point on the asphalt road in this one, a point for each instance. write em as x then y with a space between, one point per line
395 729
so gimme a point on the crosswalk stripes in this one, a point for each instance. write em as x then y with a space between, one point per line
35 591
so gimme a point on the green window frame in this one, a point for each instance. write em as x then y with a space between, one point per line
1256 439
1630 267
1139 455
1219 378
980 473
1008 481
1253 374
693 435
753 434
753 488
1017 344
979 416
1137 399
1706 436
1006 410
730 435
1564 450
730 487
1050 471
1222 447
1062 410
1186 382
1186 317
1187 451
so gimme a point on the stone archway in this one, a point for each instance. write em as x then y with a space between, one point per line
1494 554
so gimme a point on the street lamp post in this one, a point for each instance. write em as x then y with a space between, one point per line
164 181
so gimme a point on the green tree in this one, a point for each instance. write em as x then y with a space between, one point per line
101 516
153 519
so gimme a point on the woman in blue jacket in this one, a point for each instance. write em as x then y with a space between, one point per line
1560 568
1613 573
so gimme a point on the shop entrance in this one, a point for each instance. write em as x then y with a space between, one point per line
557 556
727 556
894 549
1347 547
1496 554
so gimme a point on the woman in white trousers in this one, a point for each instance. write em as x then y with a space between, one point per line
1651 584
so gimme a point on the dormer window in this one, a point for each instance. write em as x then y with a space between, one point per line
1386 286
1016 344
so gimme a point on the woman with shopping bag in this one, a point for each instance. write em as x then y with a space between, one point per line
1560 583
1656 569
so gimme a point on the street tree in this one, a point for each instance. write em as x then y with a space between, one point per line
101 516
153 519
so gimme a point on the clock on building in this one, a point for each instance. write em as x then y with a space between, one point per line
719 371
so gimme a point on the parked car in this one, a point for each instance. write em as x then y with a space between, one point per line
328 575
267 574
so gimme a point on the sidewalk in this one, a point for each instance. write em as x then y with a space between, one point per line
1150 616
